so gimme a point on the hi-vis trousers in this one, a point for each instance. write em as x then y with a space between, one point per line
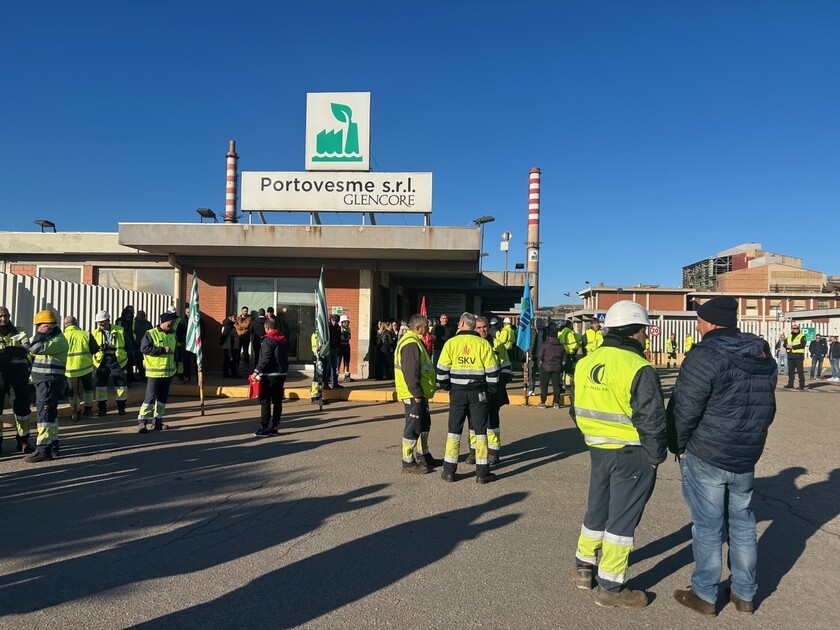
415 441
620 484
459 402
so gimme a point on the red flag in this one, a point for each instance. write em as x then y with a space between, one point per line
423 307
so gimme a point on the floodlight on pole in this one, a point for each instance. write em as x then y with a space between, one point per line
207 213
480 221
44 223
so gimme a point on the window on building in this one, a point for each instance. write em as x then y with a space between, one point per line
293 300
116 278
155 281
751 308
823 303
150 280
799 305
62 274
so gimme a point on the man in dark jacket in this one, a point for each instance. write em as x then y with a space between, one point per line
818 348
271 369
331 377
723 403
551 359
442 332
258 332
126 320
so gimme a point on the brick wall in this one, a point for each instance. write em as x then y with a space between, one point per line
22 270
744 281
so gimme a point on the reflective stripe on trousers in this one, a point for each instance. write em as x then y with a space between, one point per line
621 482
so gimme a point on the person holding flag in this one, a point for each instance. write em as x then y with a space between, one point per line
320 343
523 333
195 337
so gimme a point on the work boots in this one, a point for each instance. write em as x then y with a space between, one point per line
88 412
416 469
121 407
103 408
470 458
23 445
691 600
625 598
743 606
40 455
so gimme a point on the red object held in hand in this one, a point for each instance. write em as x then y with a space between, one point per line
254 391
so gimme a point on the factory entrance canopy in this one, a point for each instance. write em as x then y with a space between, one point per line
447 250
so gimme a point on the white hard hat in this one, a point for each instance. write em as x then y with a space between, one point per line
506 320
171 309
102 316
625 313
344 318
494 321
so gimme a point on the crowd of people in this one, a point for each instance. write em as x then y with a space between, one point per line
80 365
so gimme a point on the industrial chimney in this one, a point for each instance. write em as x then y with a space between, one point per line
533 242
230 184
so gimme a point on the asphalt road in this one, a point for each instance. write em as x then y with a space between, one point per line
206 526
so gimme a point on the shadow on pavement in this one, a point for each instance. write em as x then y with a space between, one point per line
217 536
802 513
668 564
539 449
143 483
317 585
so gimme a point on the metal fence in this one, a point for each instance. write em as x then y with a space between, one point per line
770 330
26 295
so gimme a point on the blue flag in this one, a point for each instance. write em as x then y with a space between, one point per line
523 338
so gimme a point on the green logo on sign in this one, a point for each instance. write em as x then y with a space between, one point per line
339 145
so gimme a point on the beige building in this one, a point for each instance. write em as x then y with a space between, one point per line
772 278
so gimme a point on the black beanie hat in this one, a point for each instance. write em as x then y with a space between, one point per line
167 317
721 311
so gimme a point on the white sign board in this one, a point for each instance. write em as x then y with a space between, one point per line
264 191
338 131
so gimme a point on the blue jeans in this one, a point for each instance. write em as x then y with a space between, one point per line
706 489
835 369
816 365
782 361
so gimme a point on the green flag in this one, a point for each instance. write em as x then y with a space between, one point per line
322 332
193 343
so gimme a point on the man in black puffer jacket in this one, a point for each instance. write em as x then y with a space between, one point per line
271 369
723 403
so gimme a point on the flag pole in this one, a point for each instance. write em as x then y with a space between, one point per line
201 389
526 375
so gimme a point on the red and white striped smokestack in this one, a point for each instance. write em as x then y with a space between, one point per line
230 184
533 242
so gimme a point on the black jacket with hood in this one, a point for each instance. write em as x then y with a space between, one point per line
724 399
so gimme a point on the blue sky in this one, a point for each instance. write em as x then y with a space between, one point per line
665 131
